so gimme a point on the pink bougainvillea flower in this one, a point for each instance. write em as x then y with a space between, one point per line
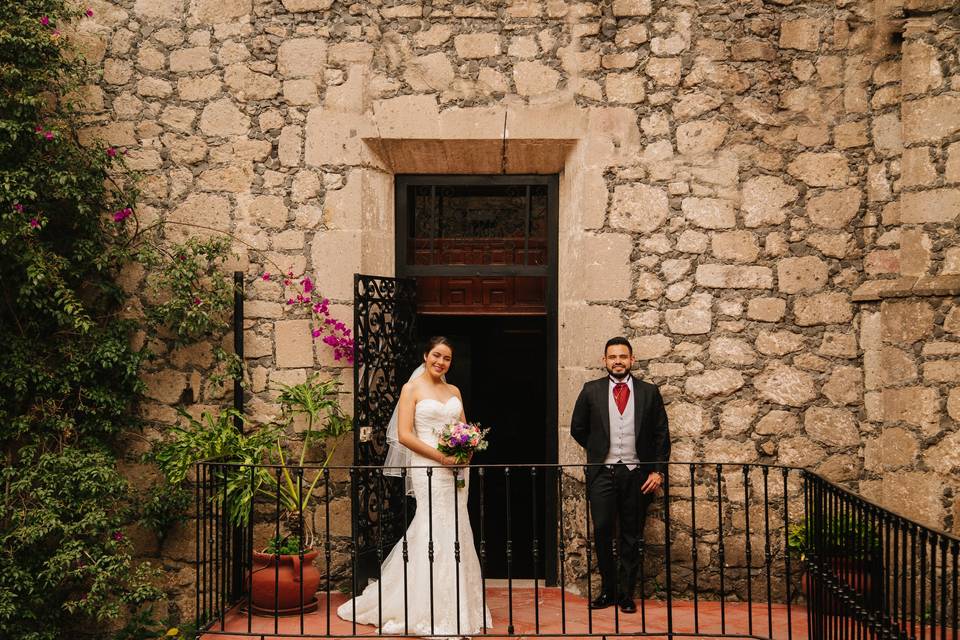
197 301
48 135
290 301
18 207
117 536
38 128
56 33
45 21
265 276
289 274
122 214
88 12
316 333
34 223
307 285
111 152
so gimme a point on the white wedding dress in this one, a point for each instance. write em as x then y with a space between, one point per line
386 605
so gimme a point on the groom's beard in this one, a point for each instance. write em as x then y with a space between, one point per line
619 376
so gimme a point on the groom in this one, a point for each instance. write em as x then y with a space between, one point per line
622 424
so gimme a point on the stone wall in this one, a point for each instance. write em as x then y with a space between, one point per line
910 318
741 184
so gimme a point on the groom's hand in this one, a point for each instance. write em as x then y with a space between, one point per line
653 482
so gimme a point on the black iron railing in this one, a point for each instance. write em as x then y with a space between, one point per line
730 550
873 573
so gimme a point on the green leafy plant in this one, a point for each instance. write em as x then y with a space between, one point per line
213 437
841 535
284 545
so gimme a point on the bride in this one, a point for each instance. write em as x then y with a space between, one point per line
433 587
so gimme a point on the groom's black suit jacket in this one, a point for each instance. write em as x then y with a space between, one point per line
590 425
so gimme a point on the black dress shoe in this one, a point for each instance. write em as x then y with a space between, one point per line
627 605
602 601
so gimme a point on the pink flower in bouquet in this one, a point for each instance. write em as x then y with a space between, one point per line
461 440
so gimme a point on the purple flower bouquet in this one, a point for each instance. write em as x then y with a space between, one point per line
460 440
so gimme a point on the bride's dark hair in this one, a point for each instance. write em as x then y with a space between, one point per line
434 341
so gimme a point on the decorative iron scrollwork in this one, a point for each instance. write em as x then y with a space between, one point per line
385 311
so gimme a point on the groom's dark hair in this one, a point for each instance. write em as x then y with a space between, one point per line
434 341
618 340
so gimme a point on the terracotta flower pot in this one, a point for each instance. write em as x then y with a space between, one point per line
275 587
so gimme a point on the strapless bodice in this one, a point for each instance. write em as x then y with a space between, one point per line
431 415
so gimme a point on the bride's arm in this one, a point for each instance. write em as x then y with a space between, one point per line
405 432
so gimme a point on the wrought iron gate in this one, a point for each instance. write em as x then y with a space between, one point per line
384 316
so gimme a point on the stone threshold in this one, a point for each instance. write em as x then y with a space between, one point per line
924 286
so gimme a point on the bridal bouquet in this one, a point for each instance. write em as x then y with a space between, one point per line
460 440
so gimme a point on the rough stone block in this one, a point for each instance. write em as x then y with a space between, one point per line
165 386
930 119
764 199
731 351
895 448
779 343
599 266
709 213
219 11
625 88
190 59
703 136
828 169
806 274
800 451
823 308
934 205
650 347
719 276
583 332
747 50
736 246
629 8
336 257
687 420
785 385
917 169
714 383
533 78
305 6
302 57
694 319
834 209
834 427
766 309
906 322
845 386
914 405
639 207
223 118
472 46
802 34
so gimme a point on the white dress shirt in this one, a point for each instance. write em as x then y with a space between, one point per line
623 439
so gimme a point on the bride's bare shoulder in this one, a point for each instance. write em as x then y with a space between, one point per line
454 390
413 389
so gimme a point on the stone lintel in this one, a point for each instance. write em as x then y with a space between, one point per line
927 286
472 156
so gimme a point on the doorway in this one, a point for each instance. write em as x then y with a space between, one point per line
499 366
483 252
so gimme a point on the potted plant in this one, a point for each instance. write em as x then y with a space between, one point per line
275 582
849 547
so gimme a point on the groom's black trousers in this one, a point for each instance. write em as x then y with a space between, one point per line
618 508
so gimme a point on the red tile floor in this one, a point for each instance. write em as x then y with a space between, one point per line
732 620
